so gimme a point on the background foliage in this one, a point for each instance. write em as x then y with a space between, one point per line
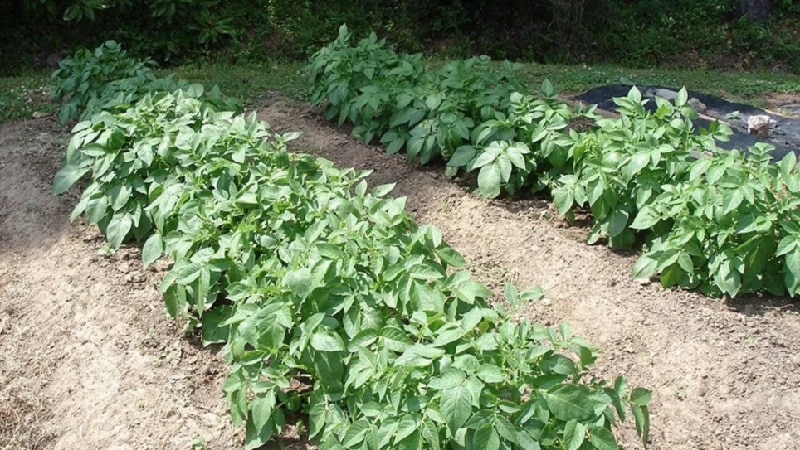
686 33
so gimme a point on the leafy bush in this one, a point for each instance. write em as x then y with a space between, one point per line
525 146
108 79
624 163
712 219
329 298
731 226
81 79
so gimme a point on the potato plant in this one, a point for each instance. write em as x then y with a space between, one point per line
329 299
723 222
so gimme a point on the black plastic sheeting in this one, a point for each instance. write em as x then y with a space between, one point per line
784 135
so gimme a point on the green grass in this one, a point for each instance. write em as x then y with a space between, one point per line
22 95
250 82
740 86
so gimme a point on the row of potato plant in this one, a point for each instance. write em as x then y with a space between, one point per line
724 222
329 299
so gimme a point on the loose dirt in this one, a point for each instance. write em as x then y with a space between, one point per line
89 359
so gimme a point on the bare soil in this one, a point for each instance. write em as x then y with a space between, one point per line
89 359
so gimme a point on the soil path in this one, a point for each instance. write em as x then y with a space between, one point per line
88 358
723 375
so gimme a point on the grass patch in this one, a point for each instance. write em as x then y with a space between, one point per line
22 95
250 82
738 86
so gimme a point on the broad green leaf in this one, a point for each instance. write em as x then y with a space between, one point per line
787 244
644 267
327 341
118 229
262 407
490 373
792 271
682 97
449 379
317 418
671 275
562 199
67 176
489 179
486 438
462 156
569 402
640 396
300 281
574 435
602 439
456 406
547 88
355 433
617 222
646 219
407 425
152 249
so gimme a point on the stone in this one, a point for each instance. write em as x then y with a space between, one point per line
759 125
697 105
666 94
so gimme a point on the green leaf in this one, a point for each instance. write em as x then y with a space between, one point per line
261 409
449 379
569 402
562 199
486 438
671 275
617 222
462 156
152 249
213 332
641 417
646 219
355 433
682 97
317 418
407 425
510 293
456 406
327 341
489 179
66 177
547 88
490 373
634 95
602 439
574 435
300 282
640 396
792 270
787 244
118 229
644 267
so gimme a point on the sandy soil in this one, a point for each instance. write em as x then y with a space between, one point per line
88 358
